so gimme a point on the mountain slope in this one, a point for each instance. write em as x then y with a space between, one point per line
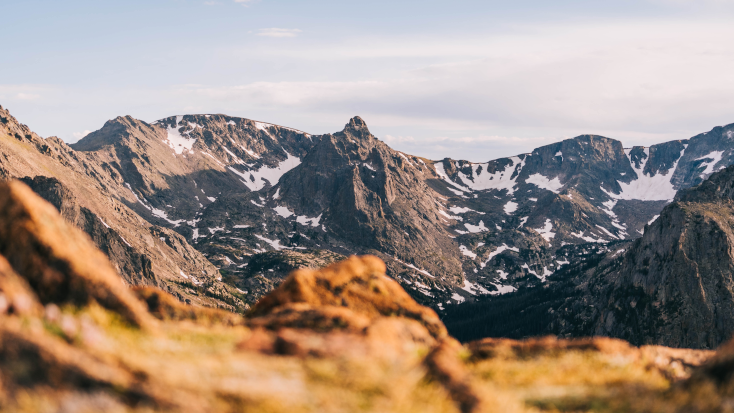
516 213
673 286
91 194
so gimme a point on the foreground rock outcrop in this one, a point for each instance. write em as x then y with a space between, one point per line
74 338
60 265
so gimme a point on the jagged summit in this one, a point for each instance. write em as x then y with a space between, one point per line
112 133
357 124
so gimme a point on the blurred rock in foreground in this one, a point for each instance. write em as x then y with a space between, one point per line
73 338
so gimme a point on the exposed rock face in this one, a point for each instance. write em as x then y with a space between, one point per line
135 268
674 286
373 199
586 189
60 264
90 193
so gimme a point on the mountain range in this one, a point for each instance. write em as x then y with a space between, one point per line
217 209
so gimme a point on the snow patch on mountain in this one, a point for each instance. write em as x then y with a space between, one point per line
178 142
466 251
657 187
471 288
256 180
414 267
523 221
714 157
159 213
483 180
477 228
234 157
445 214
460 210
527 267
468 287
542 182
503 289
441 172
499 250
546 232
606 231
609 207
587 238
457 297
283 211
264 127
275 244
304 220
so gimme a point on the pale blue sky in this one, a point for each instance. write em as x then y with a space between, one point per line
472 80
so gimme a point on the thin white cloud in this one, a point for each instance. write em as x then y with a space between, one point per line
27 96
276 32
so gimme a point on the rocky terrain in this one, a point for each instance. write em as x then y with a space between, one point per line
211 195
75 338
89 193
672 286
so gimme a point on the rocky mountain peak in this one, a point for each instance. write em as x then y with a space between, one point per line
114 131
357 124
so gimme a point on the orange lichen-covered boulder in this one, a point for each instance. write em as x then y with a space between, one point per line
358 284
59 261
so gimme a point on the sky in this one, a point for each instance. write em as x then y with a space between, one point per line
474 80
